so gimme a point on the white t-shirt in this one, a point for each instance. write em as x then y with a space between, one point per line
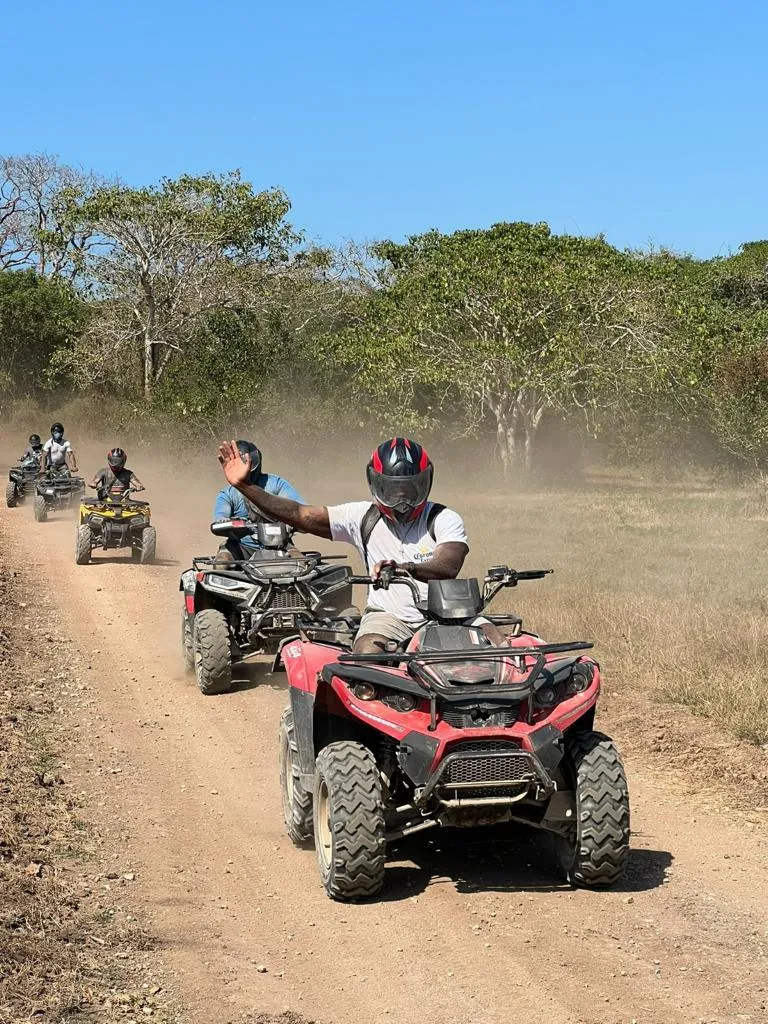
410 542
57 451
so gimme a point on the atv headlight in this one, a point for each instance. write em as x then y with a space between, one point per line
139 521
96 519
50 491
364 691
546 696
225 583
403 702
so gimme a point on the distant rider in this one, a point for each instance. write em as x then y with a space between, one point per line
232 504
115 478
58 453
34 449
400 529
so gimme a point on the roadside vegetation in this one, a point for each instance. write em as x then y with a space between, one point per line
70 949
196 301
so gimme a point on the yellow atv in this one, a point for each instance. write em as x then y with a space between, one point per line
115 521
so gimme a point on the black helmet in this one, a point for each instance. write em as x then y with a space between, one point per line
57 428
34 440
400 478
116 459
249 448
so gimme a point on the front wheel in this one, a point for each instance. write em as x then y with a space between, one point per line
83 544
213 658
297 802
596 853
144 551
11 494
39 509
348 821
187 647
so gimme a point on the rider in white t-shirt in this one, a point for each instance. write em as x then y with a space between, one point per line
57 451
399 528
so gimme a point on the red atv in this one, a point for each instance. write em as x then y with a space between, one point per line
474 723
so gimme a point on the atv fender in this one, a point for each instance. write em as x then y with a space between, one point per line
303 708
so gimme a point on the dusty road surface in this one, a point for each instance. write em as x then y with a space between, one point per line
471 927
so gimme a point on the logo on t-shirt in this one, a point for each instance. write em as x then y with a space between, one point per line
423 553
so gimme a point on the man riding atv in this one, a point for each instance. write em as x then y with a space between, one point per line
232 504
399 529
34 449
114 478
58 453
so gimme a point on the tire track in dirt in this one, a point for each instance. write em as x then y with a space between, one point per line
471 927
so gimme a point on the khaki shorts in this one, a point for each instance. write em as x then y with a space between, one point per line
387 625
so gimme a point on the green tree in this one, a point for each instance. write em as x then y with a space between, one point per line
37 316
169 256
507 323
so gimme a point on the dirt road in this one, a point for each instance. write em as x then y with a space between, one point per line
470 928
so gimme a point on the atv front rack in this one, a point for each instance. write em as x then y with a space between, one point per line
362 666
224 565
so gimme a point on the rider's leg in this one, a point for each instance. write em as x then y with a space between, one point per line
370 643
228 553
377 629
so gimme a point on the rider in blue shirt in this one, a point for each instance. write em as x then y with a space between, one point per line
230 503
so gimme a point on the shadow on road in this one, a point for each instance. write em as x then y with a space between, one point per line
124 558
254 674
503 858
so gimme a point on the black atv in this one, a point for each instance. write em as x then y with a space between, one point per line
20 477
57 491
235 610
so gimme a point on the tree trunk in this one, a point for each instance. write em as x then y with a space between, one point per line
149 364
506 434
531 419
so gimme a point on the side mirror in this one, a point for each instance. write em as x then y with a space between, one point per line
235 528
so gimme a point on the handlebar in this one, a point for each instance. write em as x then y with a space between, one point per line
386 579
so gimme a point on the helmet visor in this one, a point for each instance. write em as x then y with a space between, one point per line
116 461
400 493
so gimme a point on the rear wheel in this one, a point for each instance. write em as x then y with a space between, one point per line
213 658
39 509
595 855
11 494
187 647
349 821
297 802
83 544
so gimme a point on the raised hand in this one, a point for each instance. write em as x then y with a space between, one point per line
237 468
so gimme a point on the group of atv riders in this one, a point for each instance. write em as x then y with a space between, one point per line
399 529
58 456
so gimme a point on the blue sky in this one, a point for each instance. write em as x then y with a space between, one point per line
647 121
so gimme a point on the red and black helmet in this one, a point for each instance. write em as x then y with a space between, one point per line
116 459
400 478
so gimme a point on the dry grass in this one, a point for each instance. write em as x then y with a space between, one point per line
67 951
670 583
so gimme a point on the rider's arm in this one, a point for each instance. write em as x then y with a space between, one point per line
136 484
305 518
69 456
98 478
445 563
